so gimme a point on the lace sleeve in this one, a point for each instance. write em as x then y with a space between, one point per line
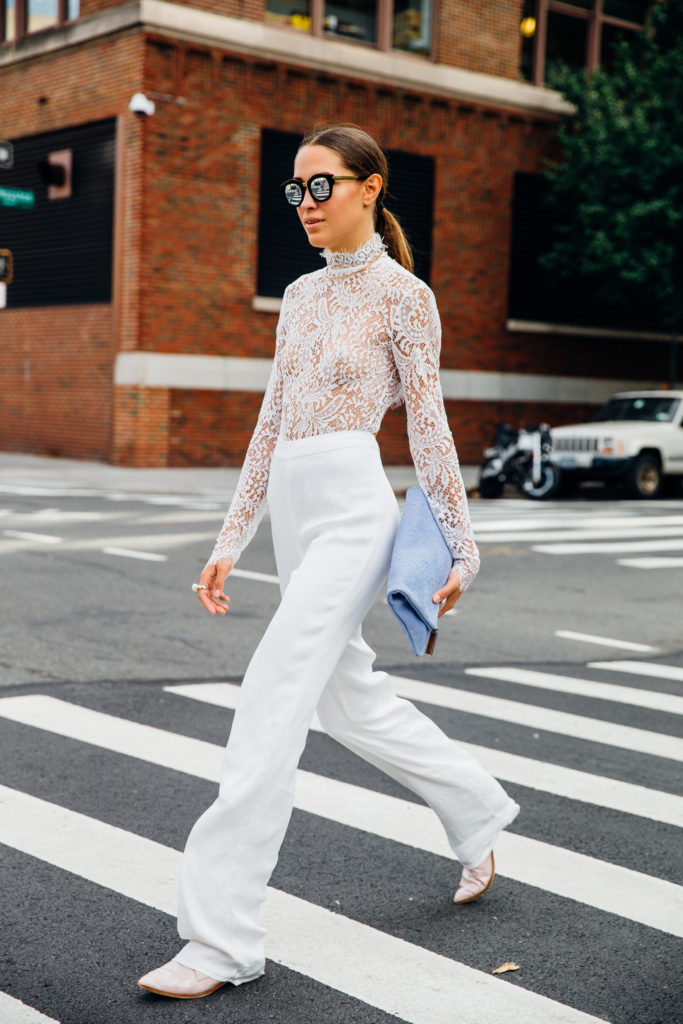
249 500
416 340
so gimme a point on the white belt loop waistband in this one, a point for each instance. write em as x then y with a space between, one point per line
319 443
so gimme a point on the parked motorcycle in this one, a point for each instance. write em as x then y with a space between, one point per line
519 457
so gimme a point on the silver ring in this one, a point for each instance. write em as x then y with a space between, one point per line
198 586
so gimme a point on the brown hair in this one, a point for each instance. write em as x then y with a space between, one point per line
363 156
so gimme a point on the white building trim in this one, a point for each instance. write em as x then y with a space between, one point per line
232 373
271 42
536 327
198 373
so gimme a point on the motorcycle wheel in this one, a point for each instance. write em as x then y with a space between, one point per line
546 488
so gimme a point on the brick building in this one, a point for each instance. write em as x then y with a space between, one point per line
140 321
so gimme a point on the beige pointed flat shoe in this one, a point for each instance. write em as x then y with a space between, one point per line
179 982
475 881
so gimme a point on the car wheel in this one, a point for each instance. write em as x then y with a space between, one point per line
645 476
546 487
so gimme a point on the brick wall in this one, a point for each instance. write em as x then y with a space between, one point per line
187 217
482 36
55 381
141 435
210 428
254 10
71 349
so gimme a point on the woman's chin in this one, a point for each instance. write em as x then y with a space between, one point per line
317 238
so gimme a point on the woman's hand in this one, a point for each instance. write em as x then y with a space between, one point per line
449 593
213 577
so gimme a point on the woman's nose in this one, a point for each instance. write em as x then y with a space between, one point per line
308 202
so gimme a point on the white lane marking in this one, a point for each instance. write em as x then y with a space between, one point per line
578 535
165 499
181 516
38 538
146 556
56 515
572 521
246 574
393 975
515 712
641 668
603 641
140 542
9 547
651 563
524 771
610 547
616 890
205 506
33 491
12 1011
651 699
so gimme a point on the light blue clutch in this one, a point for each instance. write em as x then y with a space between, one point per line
420 565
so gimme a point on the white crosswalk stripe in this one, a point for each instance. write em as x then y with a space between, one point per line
650 901
641 668
13 1011
609 547
651 563
667 702
525 771
405 979
553 530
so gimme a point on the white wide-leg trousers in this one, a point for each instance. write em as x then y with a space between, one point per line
333 517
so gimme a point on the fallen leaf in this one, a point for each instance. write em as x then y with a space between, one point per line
509 966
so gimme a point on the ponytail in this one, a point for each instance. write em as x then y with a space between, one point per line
397 244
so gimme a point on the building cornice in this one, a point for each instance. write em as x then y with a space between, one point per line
265 41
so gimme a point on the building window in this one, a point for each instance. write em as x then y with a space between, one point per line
352 19
62 246
386 24
284 252
40 14
19 18
538 296
576 33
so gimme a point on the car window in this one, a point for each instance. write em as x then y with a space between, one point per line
654 409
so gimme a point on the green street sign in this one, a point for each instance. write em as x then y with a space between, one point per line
17 197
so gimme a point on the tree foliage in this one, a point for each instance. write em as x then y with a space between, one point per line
616 193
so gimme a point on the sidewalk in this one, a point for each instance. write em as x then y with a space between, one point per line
73 475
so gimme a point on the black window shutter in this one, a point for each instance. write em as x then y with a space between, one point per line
284 250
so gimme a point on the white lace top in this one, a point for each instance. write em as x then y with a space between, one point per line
353 339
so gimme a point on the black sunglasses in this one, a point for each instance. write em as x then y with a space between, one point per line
319 185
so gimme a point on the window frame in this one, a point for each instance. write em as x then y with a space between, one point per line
21 20
596 19
384 33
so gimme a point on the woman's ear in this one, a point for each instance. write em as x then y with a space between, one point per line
372 189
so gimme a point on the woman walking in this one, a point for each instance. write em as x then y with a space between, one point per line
354 338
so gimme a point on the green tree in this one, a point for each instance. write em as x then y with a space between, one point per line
616 192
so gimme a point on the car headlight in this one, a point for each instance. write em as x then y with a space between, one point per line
610 446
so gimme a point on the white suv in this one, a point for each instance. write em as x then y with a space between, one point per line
635 439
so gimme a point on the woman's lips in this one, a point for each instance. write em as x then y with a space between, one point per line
312 223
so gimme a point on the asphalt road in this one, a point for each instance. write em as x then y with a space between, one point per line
106 768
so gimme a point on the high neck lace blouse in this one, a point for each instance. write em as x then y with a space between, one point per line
355 338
